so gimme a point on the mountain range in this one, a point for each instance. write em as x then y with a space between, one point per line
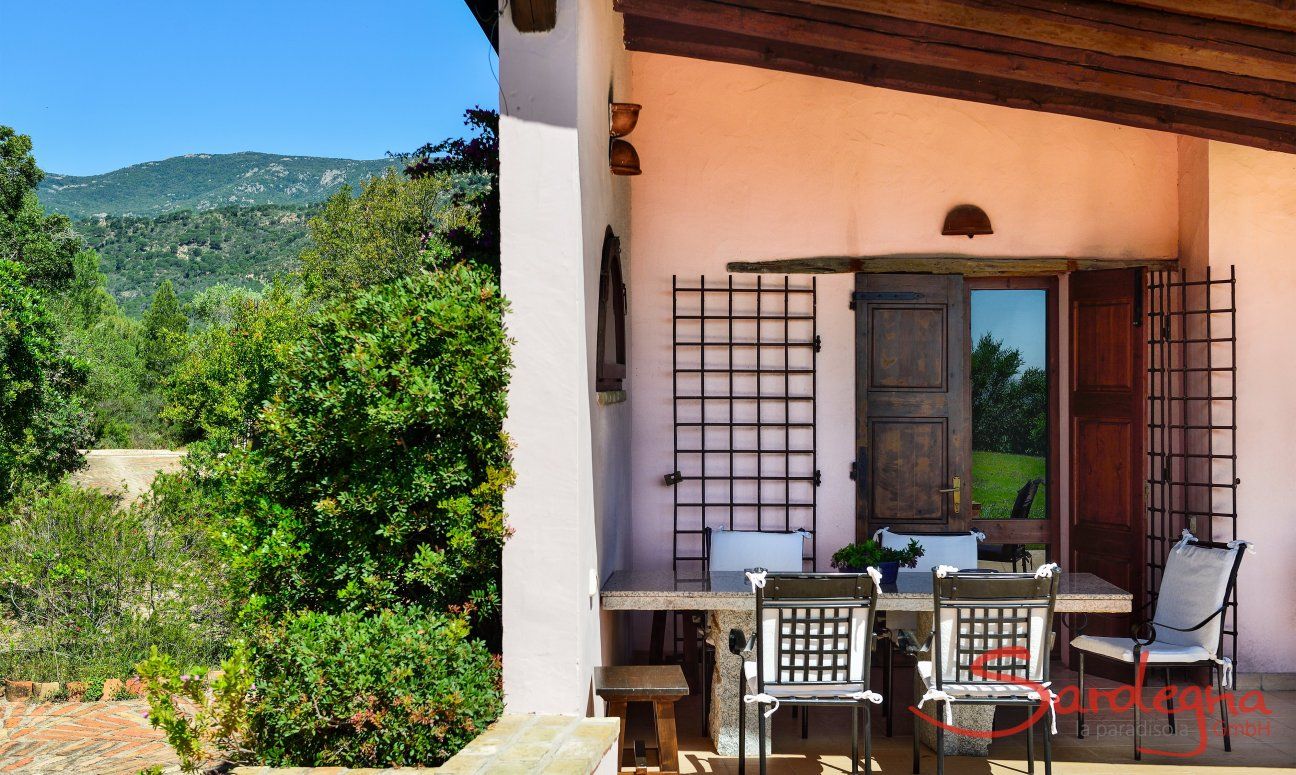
204 181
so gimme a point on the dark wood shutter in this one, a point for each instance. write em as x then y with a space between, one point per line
913 395
1107 433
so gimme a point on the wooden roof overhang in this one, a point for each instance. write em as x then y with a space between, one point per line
1215 69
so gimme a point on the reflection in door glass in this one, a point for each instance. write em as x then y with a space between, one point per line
1009 403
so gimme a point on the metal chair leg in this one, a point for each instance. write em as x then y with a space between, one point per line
1170 703
888 684
915 748
868 740
1030 747
940 750
742 728
855 722
1080 715
1048 751
1138 724
1224 719
760 734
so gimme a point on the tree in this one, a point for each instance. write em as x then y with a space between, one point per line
165 326
468 160
393 229
42 423
1009 405
44 245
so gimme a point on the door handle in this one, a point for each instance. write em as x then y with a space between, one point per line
957 489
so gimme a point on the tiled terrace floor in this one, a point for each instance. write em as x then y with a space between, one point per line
1108 750
102 738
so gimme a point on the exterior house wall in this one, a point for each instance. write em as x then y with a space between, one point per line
743 163
1250 221
569 506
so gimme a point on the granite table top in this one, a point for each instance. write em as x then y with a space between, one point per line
667 590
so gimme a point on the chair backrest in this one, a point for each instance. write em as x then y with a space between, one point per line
738 550
981 612
1025 499
1195 585
956 549
815 628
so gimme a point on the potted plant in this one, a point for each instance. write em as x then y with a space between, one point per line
854 558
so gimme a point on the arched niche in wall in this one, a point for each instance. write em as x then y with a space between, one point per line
611 341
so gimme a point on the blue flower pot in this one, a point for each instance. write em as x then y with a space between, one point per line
889 571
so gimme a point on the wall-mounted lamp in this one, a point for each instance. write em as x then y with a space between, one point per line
622 117
966 220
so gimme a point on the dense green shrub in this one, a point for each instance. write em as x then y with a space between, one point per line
393 688
379 474
88 586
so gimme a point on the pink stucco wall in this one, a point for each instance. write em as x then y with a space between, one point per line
741 163
1251 220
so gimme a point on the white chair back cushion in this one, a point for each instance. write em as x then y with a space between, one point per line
957 550
738 550
771 637
1192 587
1037 643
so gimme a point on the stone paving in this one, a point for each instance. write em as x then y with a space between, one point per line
104 738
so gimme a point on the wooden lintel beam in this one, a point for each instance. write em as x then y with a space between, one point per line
1274 14
953 263
989 55
661 37
1011 22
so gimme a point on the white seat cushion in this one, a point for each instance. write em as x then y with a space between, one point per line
1123 650
973 689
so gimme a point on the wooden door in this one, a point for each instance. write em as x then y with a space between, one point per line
914 406
1107 430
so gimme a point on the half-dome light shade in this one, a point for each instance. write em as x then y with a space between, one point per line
966 220
624 159
622 117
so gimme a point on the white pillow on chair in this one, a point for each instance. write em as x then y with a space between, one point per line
957 550
739 550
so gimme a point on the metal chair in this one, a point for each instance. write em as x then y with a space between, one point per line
957 549
1014 553
1187 628
1002 621
812 647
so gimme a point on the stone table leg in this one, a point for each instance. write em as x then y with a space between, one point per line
978 717
726 699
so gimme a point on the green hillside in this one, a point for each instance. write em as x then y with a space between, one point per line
244 246
204 181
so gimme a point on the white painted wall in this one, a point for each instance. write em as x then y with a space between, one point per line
569 505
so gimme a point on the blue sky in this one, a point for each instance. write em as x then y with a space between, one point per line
102 85
1016 317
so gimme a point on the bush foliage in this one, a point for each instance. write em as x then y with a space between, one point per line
399 687
382 450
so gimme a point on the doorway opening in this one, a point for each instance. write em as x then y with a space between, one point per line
1011 366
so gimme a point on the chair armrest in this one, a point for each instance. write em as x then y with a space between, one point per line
1139 629
740 644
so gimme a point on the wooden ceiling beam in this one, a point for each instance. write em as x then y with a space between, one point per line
1274 14
972 52
656 36
947 263
1074 32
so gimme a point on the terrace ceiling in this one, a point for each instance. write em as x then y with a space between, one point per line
1218 69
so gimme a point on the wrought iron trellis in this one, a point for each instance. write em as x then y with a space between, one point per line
743 395
1192 418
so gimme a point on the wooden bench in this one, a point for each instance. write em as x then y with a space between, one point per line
662 685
